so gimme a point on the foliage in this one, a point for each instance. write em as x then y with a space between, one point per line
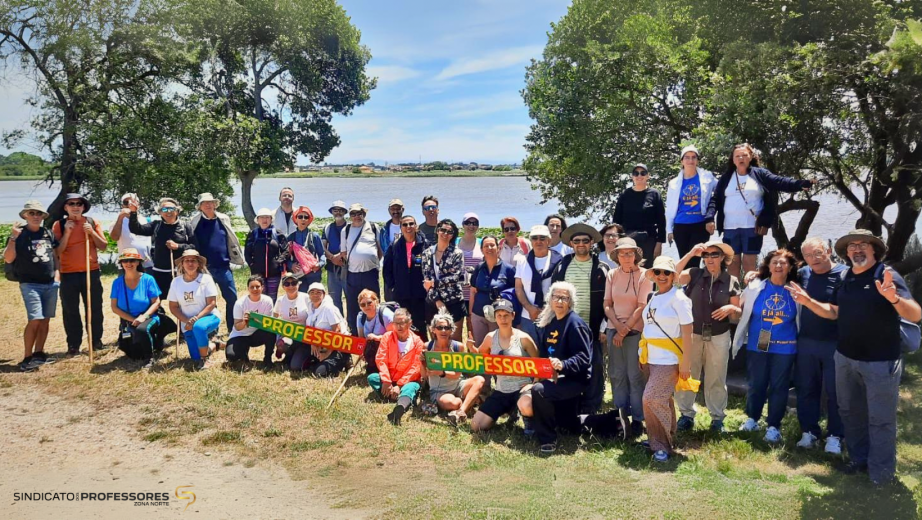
19 164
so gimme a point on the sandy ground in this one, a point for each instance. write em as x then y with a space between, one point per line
82 450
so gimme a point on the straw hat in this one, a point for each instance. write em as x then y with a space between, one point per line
191 252
664 263
33 205
723 246
130 253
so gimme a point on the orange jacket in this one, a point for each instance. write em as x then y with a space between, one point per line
394 368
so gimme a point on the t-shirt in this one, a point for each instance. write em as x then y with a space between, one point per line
523 272
245 305
134 301
128 239
35 256
212 238
394 231
510 253
689 209
333 239
437 383
325 316
429 231
822 288
191 296
627 291
671 310
579 274
472 259
73 259
490 284
376 325
869 326
562 248
774 310
294 310
736 211
403 346
509 384
364 256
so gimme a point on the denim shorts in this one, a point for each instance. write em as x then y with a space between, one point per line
745 241
41 299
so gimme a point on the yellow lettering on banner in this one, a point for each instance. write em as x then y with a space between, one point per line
277 326
457 361
337 341
299 333
446 360
288 329
267 322
530 367
518 366
347 342
487 364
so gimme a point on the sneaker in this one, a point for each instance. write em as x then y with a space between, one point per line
853 468
73 351
29 364
636 428
686 423
43 358
750 426
429 409
200 365
457 417
834 445
808 441
661 456
717 426
529 426
147 365
772 435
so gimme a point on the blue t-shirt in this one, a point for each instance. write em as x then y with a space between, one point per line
776 311
689 211
212 238
135 301
490 284
333 239
822 288
377 325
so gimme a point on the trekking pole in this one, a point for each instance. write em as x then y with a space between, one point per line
89 301
343 384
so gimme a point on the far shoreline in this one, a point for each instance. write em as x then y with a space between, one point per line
375 175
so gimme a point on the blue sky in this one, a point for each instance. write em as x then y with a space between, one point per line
449 76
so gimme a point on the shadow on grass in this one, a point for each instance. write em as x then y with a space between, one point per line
855 497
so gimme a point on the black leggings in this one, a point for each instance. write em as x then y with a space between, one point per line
329 367
144 339
238 348
688 236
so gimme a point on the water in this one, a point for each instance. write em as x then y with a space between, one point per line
492 198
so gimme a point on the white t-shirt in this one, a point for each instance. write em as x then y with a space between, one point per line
403 346
295 310
562 248
671 310
736 211
523 271
128 239
325 316
394 231
245 305
191 295
364 256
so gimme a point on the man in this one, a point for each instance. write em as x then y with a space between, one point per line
71 234
283 221
336 274
868 307
587 273
359 242
391 232
30 251
403 272
556 225
817 337
125 238
533 274
430 207
219 244
399 368
170 237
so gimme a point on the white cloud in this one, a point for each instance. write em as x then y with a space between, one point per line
495 60
467 108
391 73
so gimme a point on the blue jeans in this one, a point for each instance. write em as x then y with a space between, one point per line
769 379
224 277
41 299
198 336
743 241
815 372
336 288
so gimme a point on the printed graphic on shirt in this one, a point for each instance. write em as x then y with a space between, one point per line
691 198
42 249
293 312
776 310
188 297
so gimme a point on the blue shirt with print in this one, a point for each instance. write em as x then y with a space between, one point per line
134 301
774 310
689 211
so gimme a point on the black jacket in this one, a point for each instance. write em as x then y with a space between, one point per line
263 252
406 282
161 232
596 288
770 182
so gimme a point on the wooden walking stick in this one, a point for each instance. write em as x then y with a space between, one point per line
343 385
89 300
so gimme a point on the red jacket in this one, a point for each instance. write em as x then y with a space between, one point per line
394 368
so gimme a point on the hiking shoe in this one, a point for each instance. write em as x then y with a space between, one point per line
636 428
99 346
807 441
686 423
457 417
29 364
147 365
73 351
396 415
717 426
43 358
772 435
853 468
201 365
549 448
834 445
661 456
750 426
529 426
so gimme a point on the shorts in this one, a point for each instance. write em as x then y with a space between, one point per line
744 241
457 392
458 311
501 403
41 299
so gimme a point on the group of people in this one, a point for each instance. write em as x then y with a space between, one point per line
571 293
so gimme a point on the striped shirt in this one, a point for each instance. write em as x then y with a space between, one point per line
579 274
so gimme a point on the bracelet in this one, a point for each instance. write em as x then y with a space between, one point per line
897 302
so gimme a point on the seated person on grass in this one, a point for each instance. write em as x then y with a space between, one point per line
398 366
450 391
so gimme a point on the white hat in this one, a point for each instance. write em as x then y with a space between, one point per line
206 197
689 148
264 212
539 231
317 286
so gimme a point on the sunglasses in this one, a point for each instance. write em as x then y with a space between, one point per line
539 239
442 327
130 261
355 213
34 213
75 204
303 217
401 323
446 231
365 303
408 224
661 272
164 210
289 283
640 173
510 229
711 255
580 240
126 203
430 208
471 223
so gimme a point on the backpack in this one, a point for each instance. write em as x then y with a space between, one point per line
393 306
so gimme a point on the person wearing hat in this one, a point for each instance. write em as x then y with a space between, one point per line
588 274
469 245
30 253
715 297
627 289
331 237
403 271
71 232
641 212
135 299
282 219
533 272
243 337
391 232
687 197
308 239
292 305
193 300
868 309
362 256
443 275
488 281
216 239
430 206
323 315
262 251
123 236
667 333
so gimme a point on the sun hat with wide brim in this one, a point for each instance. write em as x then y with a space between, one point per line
664 263
358 207
627 243
130 253
33 205
264 212
191 252
337 204
206 197
580 229
860 234
77 196
723 246
303 209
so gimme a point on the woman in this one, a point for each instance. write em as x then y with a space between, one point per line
292 305
322 314
610 235
304 237
715 297
512 392
135 300
745 204
443 274
627 290
667 331
193 301
640 210
371 324
687 200
403 271
242 336
469 245
512 245
262 251
768 328
449 391
488 281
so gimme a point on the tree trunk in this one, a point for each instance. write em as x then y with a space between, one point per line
70 181
246 201
903 227
810 208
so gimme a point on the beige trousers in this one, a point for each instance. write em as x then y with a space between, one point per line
713 356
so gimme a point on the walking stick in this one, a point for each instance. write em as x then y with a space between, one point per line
89 301
348 375
178 323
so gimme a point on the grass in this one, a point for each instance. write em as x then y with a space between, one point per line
445 472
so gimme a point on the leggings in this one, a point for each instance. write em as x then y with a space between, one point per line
144 338
238 348
409 390
198 336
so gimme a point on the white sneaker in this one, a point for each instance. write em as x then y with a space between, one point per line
750 426
772 435
808 441
833 445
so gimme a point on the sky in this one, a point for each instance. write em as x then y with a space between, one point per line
449 81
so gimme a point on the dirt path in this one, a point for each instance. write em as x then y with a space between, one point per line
77 449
